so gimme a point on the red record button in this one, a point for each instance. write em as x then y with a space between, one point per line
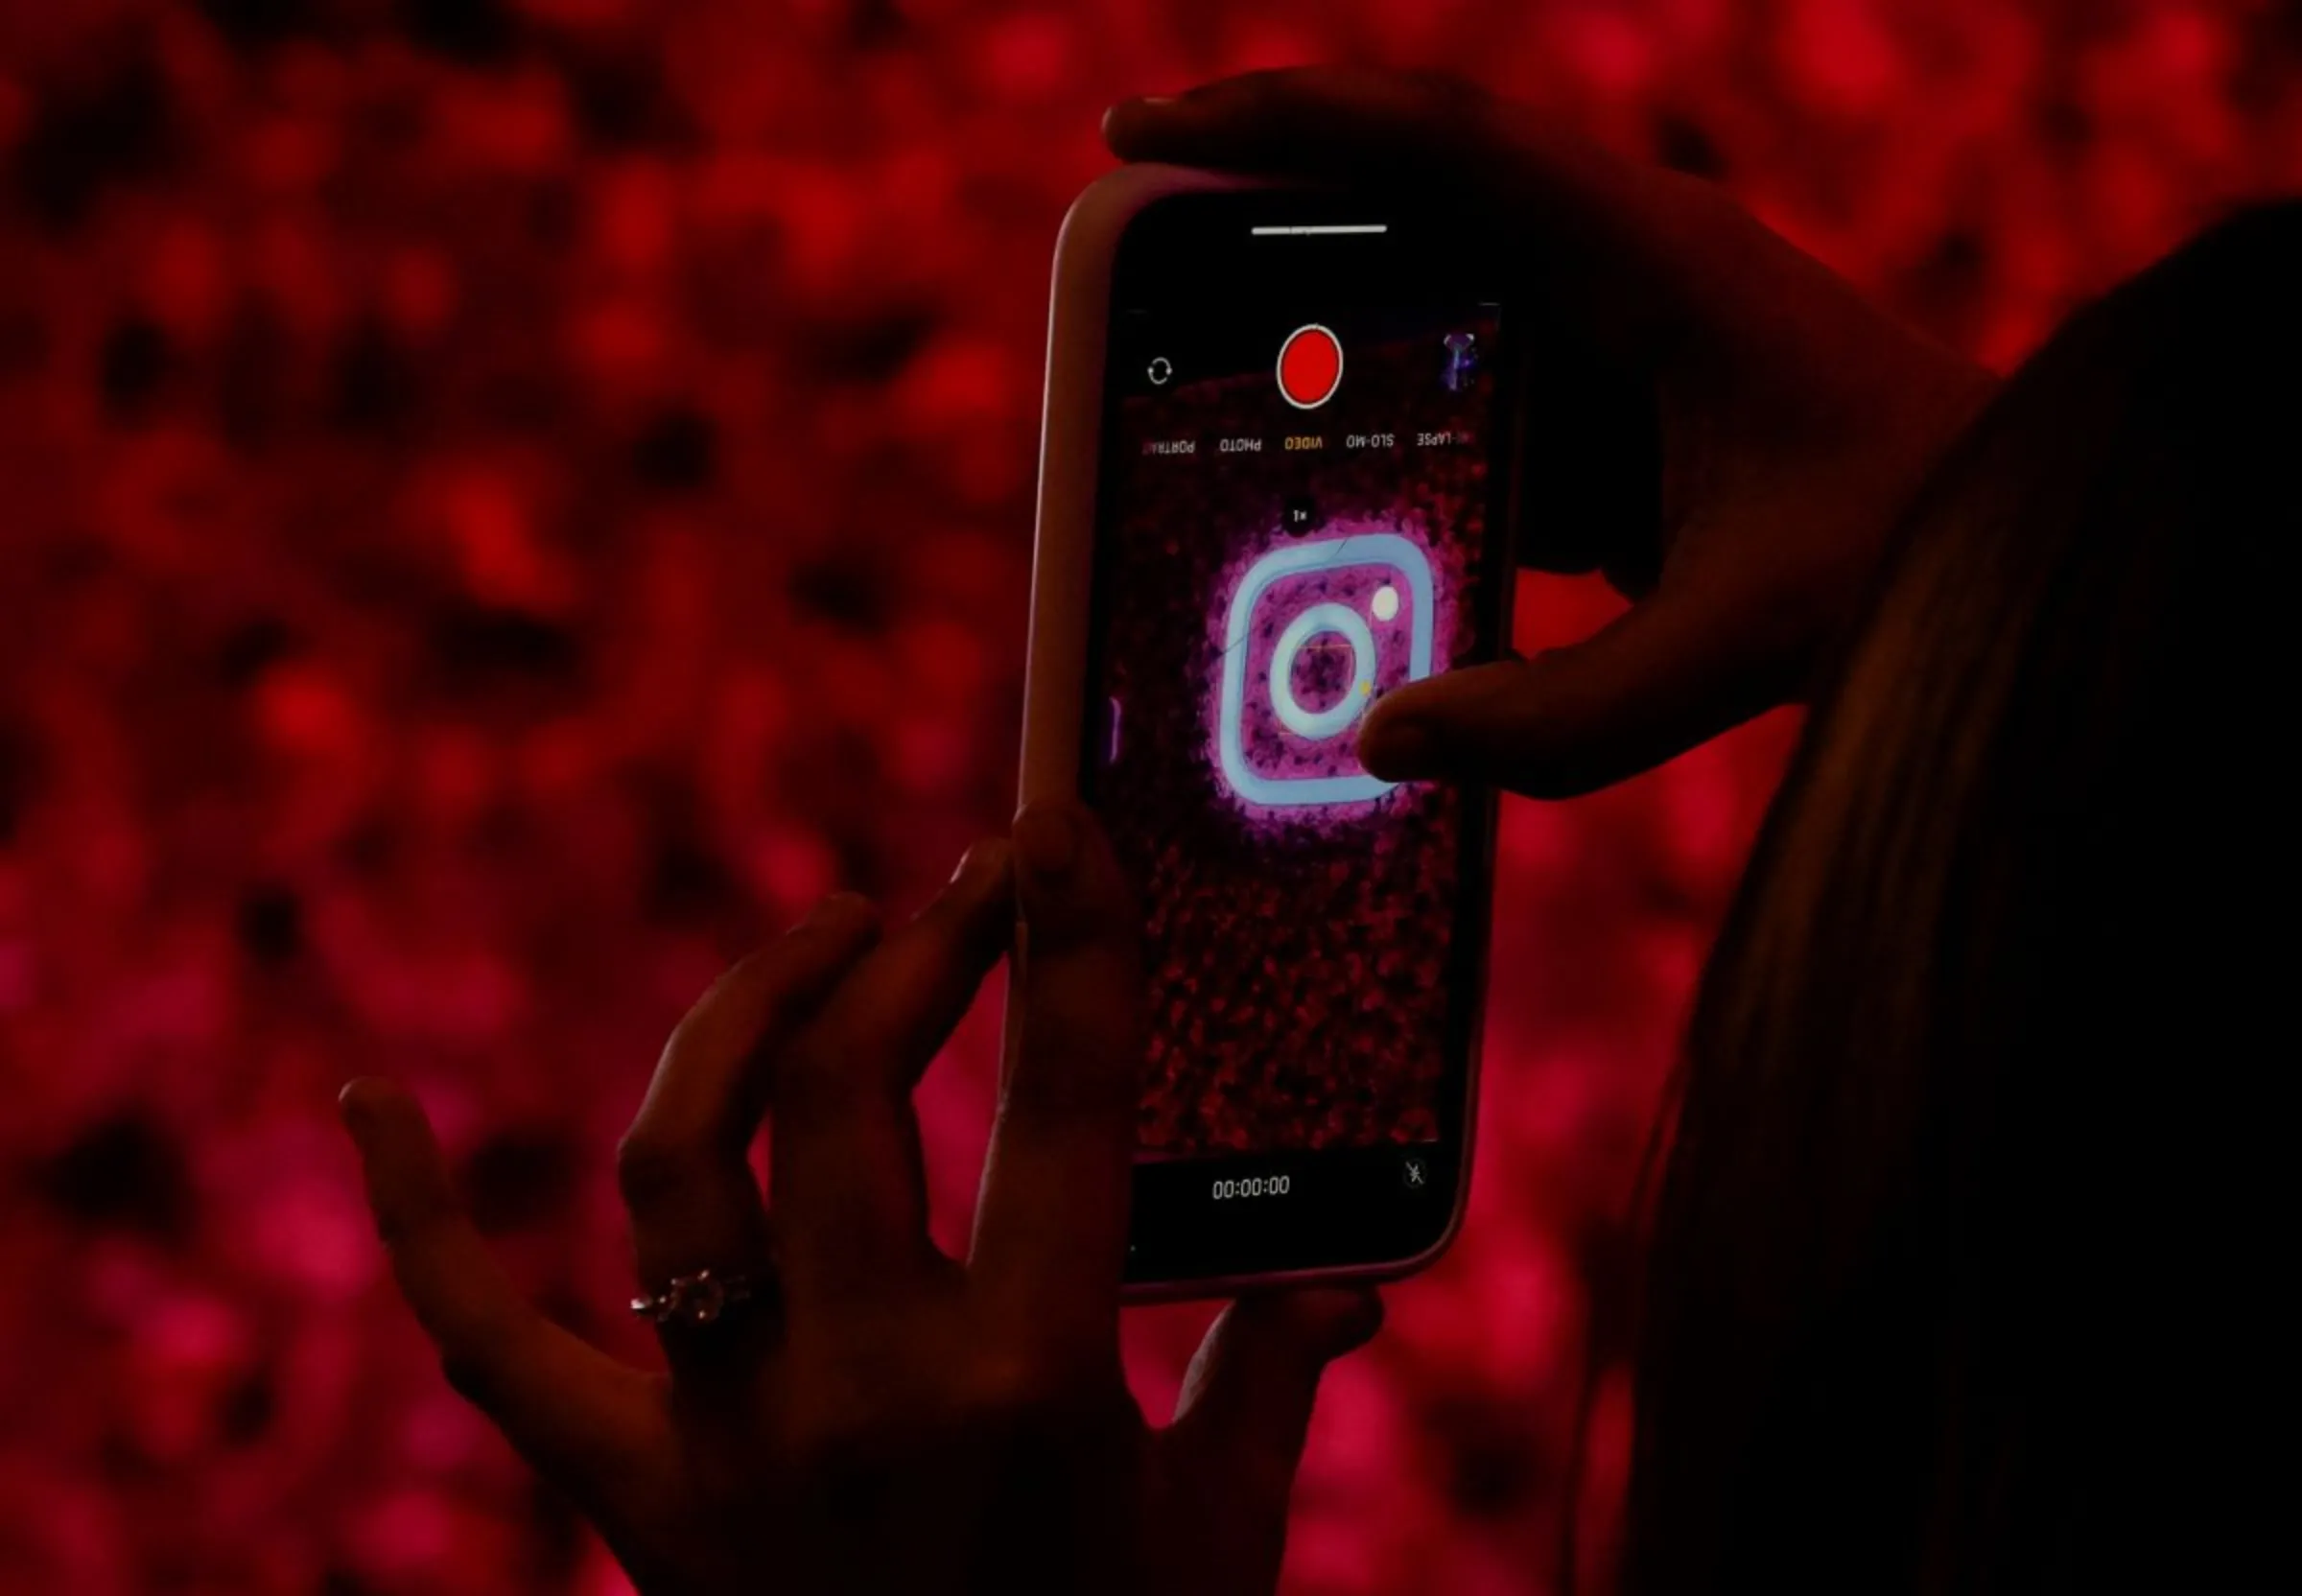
1310 367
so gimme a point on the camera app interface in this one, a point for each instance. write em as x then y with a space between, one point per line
1294 523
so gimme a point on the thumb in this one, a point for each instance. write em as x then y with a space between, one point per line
1245 1409
1675 670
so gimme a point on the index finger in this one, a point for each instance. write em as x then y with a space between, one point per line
1052 1227
845 1170
1630 248
580 1417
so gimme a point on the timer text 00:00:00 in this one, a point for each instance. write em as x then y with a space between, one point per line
1254 1185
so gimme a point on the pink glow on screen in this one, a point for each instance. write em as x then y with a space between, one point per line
1305 650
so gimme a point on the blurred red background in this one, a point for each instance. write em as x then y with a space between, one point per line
504 501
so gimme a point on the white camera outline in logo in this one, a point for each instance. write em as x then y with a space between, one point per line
1343 553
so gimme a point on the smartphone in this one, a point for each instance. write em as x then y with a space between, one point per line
1276 485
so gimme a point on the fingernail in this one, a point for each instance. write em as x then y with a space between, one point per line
980 863
838 906
351 1108
1047 840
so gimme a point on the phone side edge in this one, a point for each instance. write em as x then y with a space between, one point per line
1070 465
1070 447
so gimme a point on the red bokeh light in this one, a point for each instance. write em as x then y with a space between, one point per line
504 501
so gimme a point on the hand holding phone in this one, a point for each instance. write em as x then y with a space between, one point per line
841 1406
1740 433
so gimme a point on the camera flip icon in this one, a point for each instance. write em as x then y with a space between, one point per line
1313 634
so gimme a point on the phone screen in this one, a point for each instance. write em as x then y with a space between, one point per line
1299 513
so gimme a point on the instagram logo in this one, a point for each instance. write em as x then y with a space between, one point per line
1314 633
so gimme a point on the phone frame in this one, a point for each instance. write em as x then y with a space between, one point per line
1062 624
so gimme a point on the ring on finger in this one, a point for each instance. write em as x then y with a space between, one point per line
700 1300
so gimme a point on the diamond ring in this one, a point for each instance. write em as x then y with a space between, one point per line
697 1300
